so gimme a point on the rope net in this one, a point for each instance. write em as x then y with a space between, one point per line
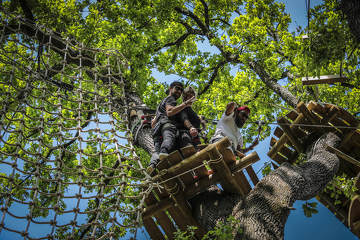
68 169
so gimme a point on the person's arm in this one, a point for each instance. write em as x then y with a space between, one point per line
193 131
173 110
230 108
185 120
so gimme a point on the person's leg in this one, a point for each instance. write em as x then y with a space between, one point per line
169 136
184 139
155 155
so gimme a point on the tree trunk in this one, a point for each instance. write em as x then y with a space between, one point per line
263 213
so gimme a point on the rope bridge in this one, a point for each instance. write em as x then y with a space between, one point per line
68 168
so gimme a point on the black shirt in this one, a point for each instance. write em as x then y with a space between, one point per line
189 114
161 110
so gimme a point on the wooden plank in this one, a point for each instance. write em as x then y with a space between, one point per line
179 219
202 185
152 229
187 151
242 181
174 158
162 219
354 215
331 114
166 224
217 163
308 114
283 139
349 118
279 159
289 133
325 79
189 178
298 130
194 160
244 162
228 155
278 132
163 205
254 178
201 146
183 206
343 155
287 152
272 141
292 115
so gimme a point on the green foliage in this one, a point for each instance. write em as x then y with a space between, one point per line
340 187
309 208
147 35
300 159
266 169
222 231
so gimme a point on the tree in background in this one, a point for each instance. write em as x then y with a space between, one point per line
253 59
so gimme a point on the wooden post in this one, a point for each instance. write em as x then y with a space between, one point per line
152 229
304 110
325 79
283 139
157 207
254 178
244 162
293 139
161 217
354 215
343 155
173 188
344 144
227 181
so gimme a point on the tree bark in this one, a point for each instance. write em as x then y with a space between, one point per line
263 213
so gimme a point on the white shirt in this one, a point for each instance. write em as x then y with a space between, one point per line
227 127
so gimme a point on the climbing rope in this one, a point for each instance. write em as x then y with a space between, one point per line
66 156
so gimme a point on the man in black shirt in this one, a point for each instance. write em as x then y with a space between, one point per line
164 125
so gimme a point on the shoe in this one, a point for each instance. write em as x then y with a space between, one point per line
162 156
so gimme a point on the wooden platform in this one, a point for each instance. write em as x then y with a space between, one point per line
326 79
306 124
186 173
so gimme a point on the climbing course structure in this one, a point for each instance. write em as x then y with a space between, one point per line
68 169
307 123
186 173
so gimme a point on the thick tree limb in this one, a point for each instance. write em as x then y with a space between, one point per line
206 13
190 14
285 94
213 77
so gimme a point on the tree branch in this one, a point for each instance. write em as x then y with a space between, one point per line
190 14
206 14
221 20
213 76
